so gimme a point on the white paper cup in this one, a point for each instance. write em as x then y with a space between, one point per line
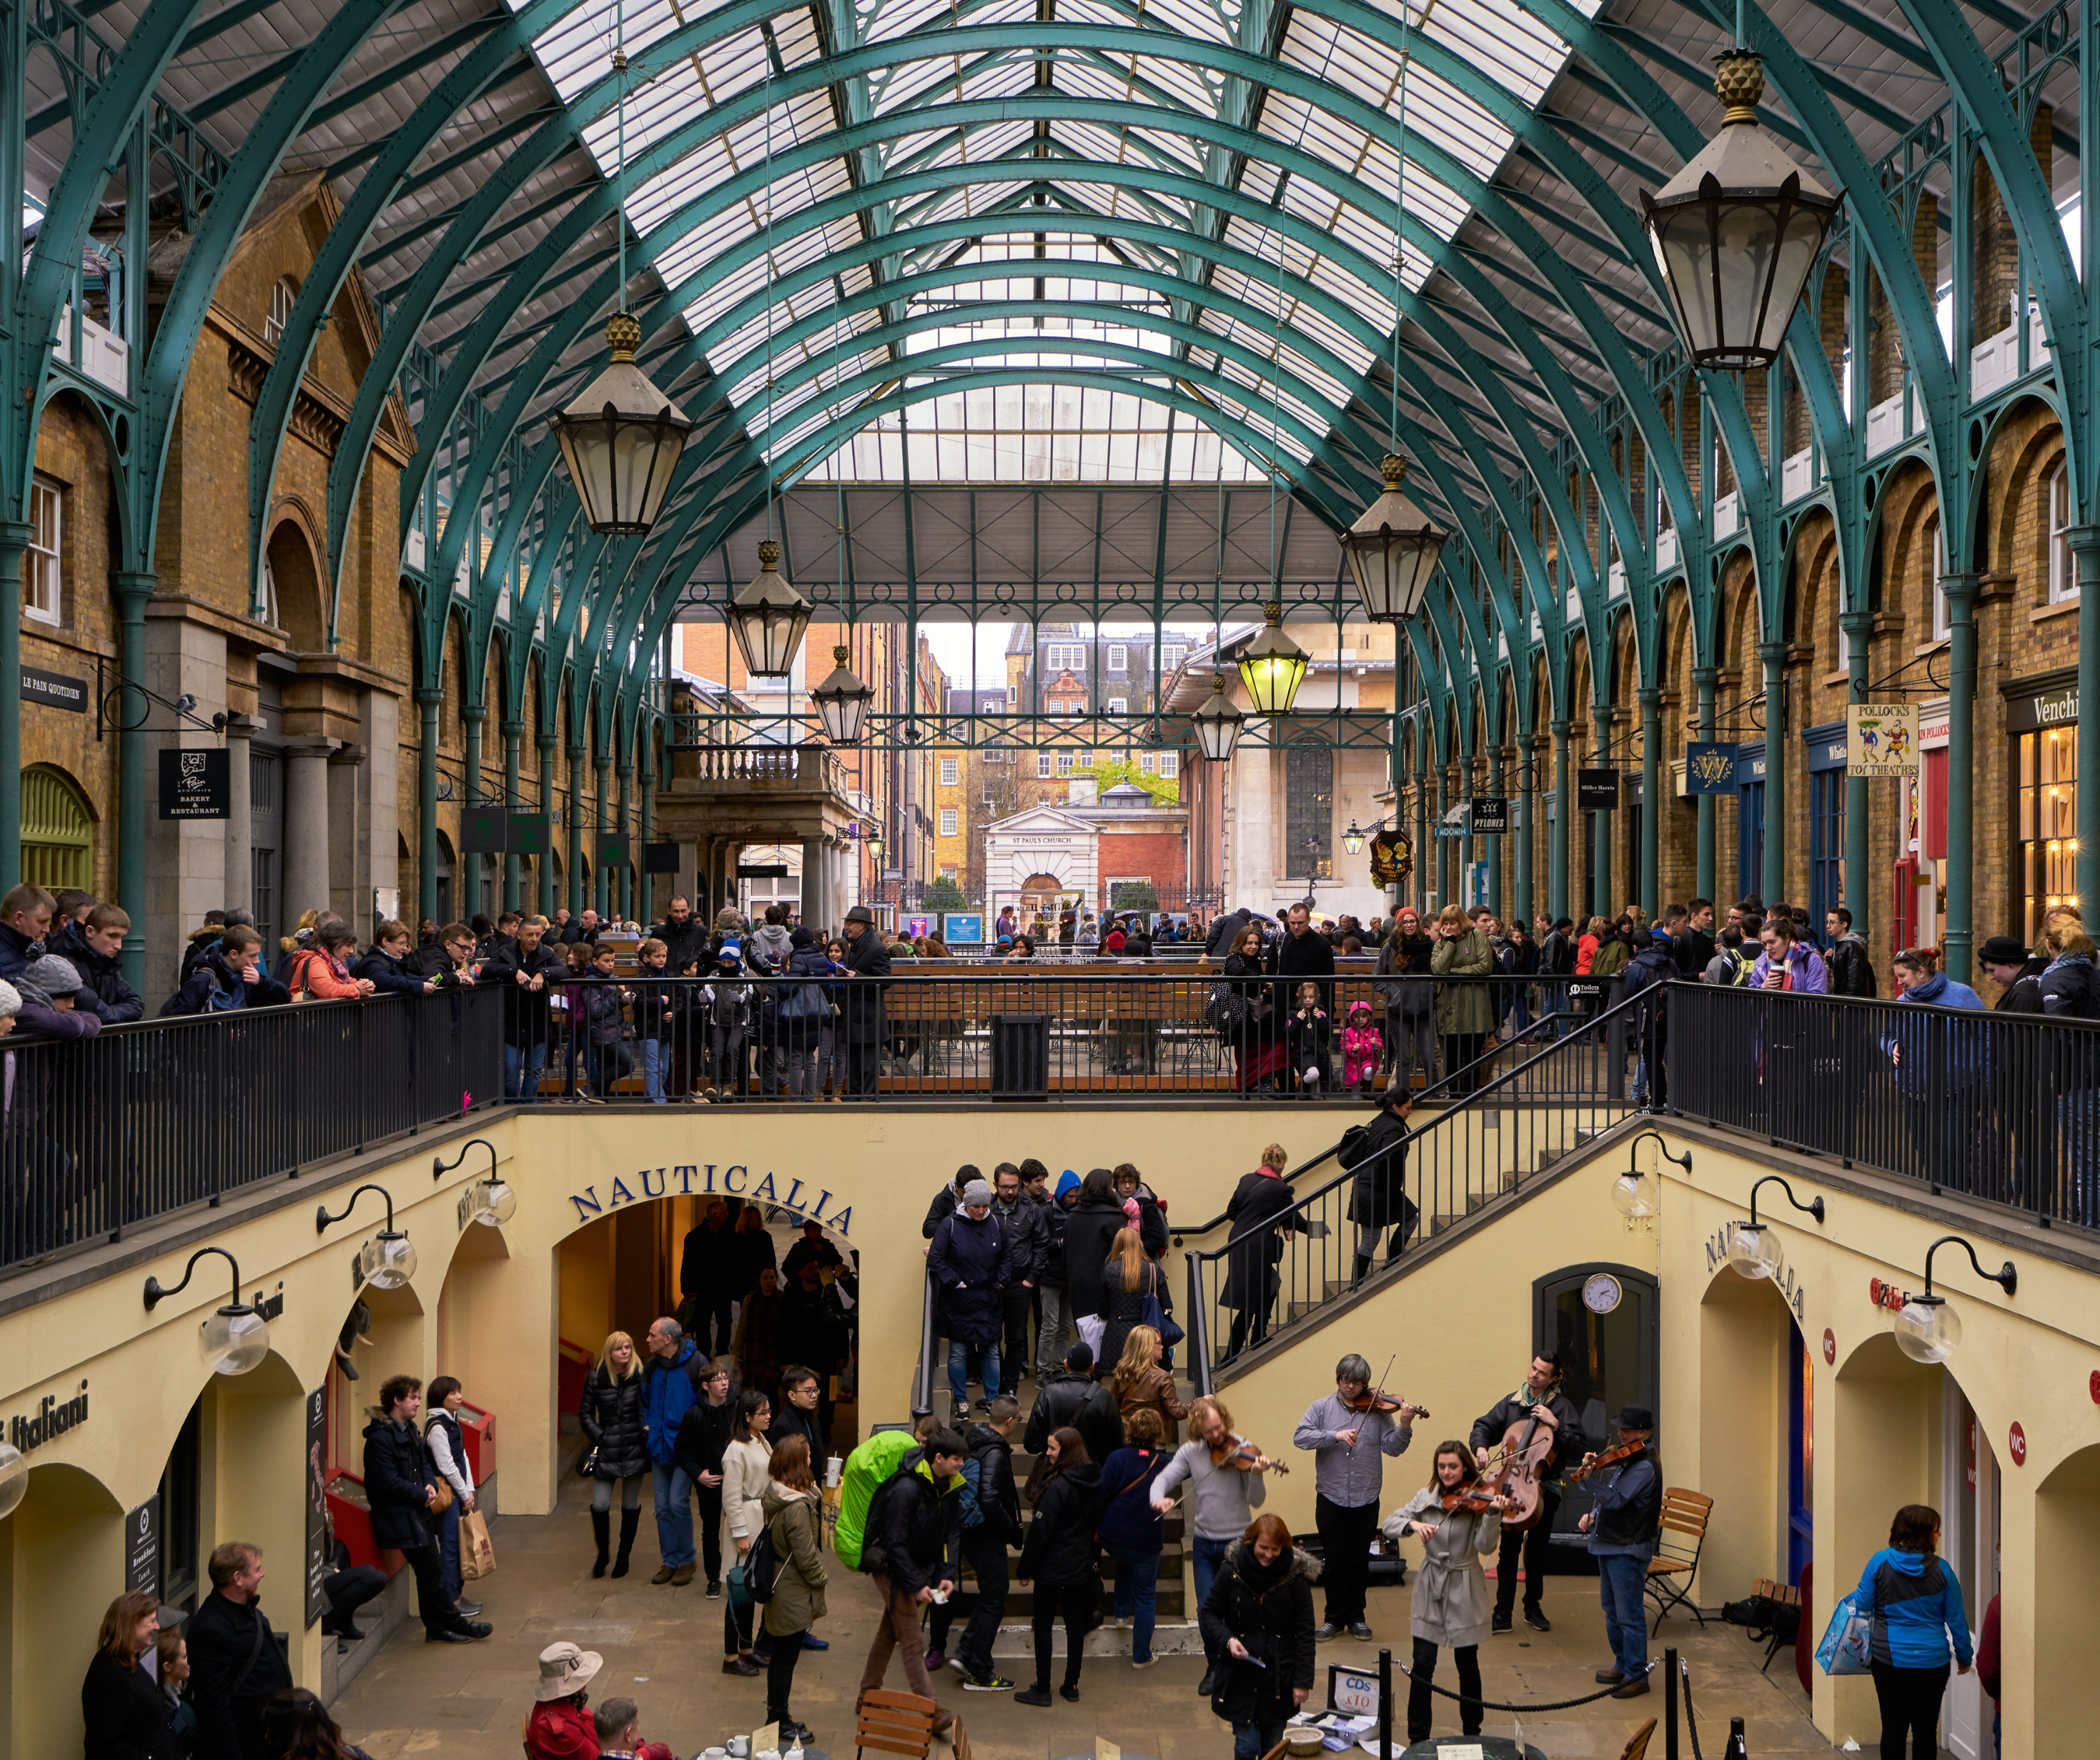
832 1463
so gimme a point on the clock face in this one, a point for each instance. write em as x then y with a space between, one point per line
1600 1295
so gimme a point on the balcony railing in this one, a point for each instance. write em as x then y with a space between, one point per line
778 767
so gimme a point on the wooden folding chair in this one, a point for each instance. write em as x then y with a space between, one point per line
1781 1594
1637 1744
959 1740
1680 1540
894 1723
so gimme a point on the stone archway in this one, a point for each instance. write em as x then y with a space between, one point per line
2060 1621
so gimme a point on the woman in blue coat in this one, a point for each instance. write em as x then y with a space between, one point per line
970 1260
1910 1594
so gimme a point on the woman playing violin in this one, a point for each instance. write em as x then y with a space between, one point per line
1224 1491
1457 1516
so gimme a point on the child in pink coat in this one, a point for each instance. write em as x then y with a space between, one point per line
1363 1047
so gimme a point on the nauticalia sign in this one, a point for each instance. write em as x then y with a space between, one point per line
704 1179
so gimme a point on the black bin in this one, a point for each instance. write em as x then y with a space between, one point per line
1021 1057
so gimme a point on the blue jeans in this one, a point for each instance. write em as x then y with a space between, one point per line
1250 1741
1622 1584
1210 1556
656 1060
447 1539
960 1364
674 1514
522 1067
1136 1593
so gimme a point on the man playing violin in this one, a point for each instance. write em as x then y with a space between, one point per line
1539 1401
1622 1531
1225 1489
1351 1430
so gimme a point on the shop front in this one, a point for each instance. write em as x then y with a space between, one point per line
2042 717
1826 750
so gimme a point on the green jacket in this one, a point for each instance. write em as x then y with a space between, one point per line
874 1461
795 1523
1464 1008
1611 957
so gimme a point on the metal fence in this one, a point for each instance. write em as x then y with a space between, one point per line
2001 1107
1260 1283
1027 1032
97 1135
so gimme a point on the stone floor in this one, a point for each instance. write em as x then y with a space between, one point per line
663 1648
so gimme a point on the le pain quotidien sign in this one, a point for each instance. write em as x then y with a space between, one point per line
705 1180
1793 1293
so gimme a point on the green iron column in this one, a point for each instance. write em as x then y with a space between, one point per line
1496 842
471 716
1651 801
1556 854
2085 551
623 898
545 904
1423 852
1772 874
1958 935
1526 822
512 733
1600 839
1441 895
1859 627
601 901
1461 797
428 699
466 896
1703 679
645 909
132 590
15 536
573 893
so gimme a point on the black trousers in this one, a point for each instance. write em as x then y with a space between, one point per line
1420 1699
1460 1051
863 1067
432 1602
347 1591
1530 1546
1075 1601
988 1561
1346 1534
1910 1709
709 1521
780 1675
1018 1301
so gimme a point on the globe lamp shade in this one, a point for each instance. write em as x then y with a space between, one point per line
14 1479
842 702
1737 232
234 1340
388 1260
621 439
1753 1250
1635 1195
1392 550
495 1203
1927 1330
1272 666
767 617
1217 723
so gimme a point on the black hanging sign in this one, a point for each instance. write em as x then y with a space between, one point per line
54 690
318 1562
196 784
1490 814
142 1548
1597 790
660 858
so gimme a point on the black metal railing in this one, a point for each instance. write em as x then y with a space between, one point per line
1275 1277
2001 1107
97 1135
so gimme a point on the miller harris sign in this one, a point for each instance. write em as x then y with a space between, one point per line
706 1179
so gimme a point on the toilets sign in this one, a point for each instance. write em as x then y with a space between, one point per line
706 1179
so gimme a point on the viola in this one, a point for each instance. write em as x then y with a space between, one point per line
1247 1457
1611 1457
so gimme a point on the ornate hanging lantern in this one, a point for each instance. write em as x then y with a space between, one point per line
1217 720
842 702
1392 550
1272 666
621 439
767 616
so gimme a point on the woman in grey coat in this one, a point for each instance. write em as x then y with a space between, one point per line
1451 1603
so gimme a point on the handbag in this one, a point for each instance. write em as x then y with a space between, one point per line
444 1497
1153 1313
1847 1646
477 1553
586 1468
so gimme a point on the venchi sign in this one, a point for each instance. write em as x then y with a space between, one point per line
704 1179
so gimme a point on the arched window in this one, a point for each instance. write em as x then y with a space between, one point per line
2063 577
282 297
58 831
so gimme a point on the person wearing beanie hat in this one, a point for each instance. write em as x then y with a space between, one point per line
11 1005
973 1264
2017 973
50 988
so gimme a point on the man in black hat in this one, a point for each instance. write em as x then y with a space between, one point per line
1622 1529
866 958
2023 1113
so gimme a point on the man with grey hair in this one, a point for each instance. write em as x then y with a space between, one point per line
1350 1431
669 1386
972 1263
618 1723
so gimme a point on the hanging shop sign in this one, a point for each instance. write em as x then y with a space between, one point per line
1490 814
142 1549
195 784
660 858
55 690
1710 767
1391 859
319 1564
1880 739
761 870
1597 790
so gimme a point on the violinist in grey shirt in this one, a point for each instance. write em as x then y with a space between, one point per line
1348 1475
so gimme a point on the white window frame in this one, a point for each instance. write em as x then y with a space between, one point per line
1943 627
1146 762
1064 657
43 565
1066 759
1119 706
1118 657
1169 765
1045 765
283 298
951 771
1170 657
2063 573
950 822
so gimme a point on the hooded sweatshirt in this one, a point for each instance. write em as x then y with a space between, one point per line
771 947
1915 1603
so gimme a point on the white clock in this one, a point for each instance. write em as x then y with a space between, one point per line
1601 1294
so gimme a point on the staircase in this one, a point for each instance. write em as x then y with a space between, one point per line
1480 1150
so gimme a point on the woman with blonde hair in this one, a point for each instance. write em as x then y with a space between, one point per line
1129 1277
1465 1009
610 1416
1141 1383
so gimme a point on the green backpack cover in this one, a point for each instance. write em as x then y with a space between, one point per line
874 1461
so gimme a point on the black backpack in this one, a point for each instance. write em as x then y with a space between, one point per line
761 1566
874 1555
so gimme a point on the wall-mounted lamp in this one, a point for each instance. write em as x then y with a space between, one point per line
1636 1195
491 1202
1753 1250
237 1337
388 1259
1927 1330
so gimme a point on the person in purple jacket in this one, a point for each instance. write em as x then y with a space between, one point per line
51 989
1787 964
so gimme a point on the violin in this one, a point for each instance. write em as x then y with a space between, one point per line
1479 1497
1247 1457
1376 1399
1611 1457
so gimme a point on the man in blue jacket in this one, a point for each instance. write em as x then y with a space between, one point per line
401 1486
668 1393
1622 1529
94 948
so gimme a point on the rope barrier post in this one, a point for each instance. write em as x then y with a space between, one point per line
1670 1703
1385 1704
